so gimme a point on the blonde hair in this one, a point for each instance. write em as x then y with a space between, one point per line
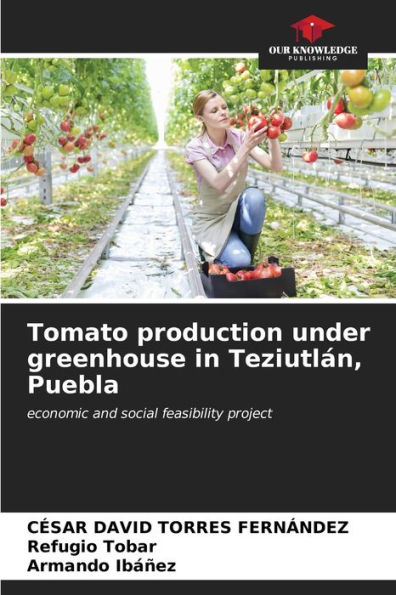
200 100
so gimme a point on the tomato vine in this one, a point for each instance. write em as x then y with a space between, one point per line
241 82
109 98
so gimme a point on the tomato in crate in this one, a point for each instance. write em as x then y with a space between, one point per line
265 280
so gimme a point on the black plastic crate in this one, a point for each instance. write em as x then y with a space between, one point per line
217 286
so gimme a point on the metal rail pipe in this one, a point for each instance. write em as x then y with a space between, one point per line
194 278
271 179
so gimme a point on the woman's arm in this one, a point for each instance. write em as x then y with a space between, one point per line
273 160
221 180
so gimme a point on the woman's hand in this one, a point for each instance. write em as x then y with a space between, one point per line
254 138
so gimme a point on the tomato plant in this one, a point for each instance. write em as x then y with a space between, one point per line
86 100
241 83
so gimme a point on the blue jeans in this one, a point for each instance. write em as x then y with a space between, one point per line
249 218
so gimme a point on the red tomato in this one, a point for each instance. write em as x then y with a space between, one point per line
65 126
310 156
339 108
232 121
287 123
257 123
273 132
29 139
345 120
240 67
262 264
231 277
255 274
32 167
277 119
217 269
3 201
275 270
265 273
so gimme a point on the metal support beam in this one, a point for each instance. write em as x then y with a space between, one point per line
341 214
45 183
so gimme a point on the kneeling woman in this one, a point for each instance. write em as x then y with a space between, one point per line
229 217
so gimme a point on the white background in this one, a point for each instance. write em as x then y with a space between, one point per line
368 552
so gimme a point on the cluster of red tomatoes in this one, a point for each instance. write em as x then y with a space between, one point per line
77 141
3 200
26 148
264 270
275 123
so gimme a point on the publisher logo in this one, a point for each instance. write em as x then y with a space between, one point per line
311 28
317 43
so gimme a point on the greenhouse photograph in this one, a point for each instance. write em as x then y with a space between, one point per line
166 177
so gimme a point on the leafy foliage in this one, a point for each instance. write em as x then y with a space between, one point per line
112 95
44 245
265 88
